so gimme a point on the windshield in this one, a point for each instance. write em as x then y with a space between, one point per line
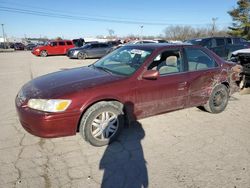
123 61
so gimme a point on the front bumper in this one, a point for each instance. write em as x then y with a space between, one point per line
72 54
36 53
48 125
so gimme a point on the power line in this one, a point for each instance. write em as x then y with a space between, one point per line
65 16
85 18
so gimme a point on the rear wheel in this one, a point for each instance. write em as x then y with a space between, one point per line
43 53
101 123
218 99
81 55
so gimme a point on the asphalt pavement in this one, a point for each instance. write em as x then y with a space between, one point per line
183 149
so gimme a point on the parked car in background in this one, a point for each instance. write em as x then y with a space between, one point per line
222 46
55 47
90 50
78 42
242 57
17 46
30 46
133 82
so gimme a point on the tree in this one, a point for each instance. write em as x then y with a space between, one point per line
241 20
58 38
183 33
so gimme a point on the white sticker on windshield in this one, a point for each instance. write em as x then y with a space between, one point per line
136 51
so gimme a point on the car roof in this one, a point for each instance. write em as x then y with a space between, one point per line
158 45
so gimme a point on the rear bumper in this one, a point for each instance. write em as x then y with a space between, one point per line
48 125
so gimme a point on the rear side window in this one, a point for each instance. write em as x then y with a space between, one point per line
69 43
103 45
94 45
199 60
237 41
61 43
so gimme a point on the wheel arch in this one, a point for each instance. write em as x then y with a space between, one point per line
115 102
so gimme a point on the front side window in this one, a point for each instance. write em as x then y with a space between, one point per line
123 61
199 60
168 62
220 41
53 44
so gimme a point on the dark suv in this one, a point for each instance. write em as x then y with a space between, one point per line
222 46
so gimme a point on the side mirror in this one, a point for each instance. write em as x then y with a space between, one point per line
150 75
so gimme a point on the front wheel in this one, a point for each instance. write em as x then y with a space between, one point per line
81 55
218 99
101 123
43 53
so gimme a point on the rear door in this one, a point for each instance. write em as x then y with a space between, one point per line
169 91
93 51
203 73
61 47
103 49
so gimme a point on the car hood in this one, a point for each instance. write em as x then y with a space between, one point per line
247 51
67 82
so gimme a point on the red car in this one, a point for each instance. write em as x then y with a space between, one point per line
56 47
133 82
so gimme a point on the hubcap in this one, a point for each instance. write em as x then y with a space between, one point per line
219 98
104 126
81 56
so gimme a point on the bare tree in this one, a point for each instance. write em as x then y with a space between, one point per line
111 33
188 32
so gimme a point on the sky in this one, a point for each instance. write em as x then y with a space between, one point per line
90 18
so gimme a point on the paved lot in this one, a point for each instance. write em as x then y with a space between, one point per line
188 148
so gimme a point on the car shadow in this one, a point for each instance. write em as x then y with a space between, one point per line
123 161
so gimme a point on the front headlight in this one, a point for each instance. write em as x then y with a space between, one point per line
49 105
37 50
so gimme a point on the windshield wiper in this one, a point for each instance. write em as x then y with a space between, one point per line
103 68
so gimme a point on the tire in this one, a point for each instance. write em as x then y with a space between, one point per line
218 99
95 127
81 55
44 53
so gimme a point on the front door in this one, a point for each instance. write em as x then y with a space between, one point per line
169 91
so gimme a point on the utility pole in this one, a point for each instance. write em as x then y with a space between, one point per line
141 31
213 25
3 35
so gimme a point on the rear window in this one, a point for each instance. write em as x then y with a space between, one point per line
61 43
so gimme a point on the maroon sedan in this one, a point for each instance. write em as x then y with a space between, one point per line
133 82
